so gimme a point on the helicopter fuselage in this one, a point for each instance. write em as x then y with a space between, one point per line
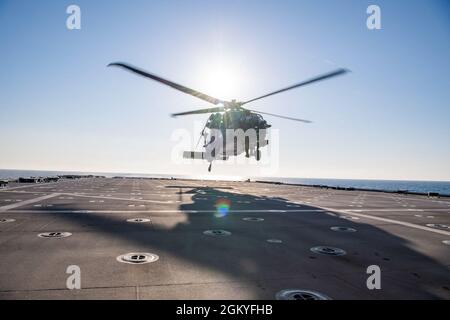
233 133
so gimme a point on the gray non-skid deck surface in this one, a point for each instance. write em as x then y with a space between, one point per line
392 233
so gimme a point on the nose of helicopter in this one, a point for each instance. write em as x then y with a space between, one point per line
265 125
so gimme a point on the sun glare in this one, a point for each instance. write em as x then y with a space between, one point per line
222 80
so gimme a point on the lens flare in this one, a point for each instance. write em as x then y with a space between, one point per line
222 207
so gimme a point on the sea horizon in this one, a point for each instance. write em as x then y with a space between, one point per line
200 177
422 186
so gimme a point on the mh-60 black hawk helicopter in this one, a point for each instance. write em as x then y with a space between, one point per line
230 116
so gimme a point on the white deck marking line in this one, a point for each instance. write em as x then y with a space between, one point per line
24 192
168 211
115 198
405 224
147 194
31 185
30 201
411 198
395 210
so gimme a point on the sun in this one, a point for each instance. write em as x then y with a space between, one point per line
222 80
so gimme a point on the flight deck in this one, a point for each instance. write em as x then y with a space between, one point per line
134 238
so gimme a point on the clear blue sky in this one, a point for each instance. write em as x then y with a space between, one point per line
62 109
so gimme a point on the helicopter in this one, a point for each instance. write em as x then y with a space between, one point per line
246 125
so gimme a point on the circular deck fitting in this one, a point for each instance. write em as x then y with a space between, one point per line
329 251
447 242
138 220
137 258
438 225
254 219
217 233
6 220
274 241
343 229
300 294
54 234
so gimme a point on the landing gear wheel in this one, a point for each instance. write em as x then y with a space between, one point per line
209 168
258 155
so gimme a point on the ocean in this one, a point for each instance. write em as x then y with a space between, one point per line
441 187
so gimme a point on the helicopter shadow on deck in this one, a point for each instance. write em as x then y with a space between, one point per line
246 255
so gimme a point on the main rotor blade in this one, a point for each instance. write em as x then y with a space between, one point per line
200 111
304 83
169 83
284 117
